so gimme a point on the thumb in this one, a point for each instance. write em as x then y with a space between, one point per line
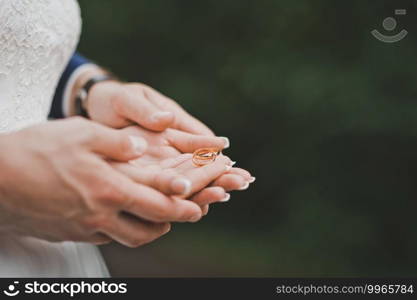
131 103
115 144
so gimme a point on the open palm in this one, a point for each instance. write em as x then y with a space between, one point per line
167 166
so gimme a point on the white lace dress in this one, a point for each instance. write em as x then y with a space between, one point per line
37 38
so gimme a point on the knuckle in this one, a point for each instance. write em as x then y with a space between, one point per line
139 86
162 179
79 125
92 132
96 222
87 130
118 101
82 123
108 194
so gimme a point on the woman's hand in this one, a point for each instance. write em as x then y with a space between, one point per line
56 184
163 166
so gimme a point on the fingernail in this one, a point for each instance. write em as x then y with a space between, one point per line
232 163
244 187
167 229
226 198
160 115
181 186
226 142
139 144
195 218
252 179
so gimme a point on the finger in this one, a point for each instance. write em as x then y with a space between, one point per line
187 142
133 104
166 181
132 232
203 176
115 144
231 182
205 209
210 195
100 239
170 182
245 174
152 205
175 161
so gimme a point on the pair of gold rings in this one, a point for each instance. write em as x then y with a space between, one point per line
205 156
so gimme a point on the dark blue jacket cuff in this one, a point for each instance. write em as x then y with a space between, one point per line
56 108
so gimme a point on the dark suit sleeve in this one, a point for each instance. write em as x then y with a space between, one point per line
56 108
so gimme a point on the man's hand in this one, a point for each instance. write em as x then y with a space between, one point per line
117 105
56 184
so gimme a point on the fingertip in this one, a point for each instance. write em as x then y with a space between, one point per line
226 198
244 187
231 182
167 228
218 192
242 172
226 161
189 211
226 142
197 215
205 209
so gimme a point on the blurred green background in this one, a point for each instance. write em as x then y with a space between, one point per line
323 114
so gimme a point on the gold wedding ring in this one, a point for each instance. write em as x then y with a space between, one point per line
205 156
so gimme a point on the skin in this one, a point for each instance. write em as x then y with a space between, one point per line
115 194
57 184
117 104
163 163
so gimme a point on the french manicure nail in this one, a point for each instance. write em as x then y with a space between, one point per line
139 144
167 229
232 163
244 187
159 115
226 142
252 179
182 186
226 198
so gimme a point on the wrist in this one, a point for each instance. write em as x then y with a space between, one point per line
79 78
83 105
